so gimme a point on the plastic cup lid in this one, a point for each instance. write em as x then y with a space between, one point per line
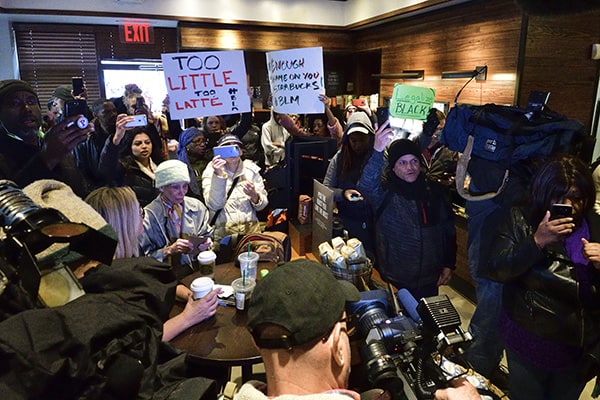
207 256
202 283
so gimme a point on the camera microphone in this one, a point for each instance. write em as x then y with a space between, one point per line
409 303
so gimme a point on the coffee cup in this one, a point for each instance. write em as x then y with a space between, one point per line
202 286
207 260
248 264
242 289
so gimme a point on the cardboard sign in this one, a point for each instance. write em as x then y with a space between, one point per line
206 83
296 79
411 102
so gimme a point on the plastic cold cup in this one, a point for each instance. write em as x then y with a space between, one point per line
202 286
207 260
242 289
248 264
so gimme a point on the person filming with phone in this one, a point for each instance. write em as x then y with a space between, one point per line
27 155
233 190
547 255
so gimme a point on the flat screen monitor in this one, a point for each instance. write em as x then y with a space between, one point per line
309 158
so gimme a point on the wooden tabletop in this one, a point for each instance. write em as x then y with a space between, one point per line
222 339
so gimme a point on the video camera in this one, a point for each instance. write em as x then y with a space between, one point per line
401 353
28 231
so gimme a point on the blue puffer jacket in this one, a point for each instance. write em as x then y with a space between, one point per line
410 255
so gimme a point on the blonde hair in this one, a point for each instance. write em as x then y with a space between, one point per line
120 208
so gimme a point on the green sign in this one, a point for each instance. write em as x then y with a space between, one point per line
411 102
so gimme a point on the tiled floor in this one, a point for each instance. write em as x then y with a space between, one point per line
465 309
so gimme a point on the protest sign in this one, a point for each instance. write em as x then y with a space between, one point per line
411 102
296 79
206 83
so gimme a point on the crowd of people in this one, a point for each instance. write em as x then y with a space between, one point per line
168 193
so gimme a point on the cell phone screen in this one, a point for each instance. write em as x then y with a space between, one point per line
383 114
75 107
561 211
227 151
77 85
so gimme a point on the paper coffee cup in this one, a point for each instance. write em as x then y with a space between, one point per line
201 287
207 260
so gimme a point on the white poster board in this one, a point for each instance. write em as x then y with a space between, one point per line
208 83
296 79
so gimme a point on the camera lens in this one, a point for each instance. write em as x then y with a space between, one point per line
381 370
370 316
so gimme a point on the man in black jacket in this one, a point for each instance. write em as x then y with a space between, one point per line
27 155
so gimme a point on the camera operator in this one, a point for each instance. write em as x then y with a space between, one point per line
25 154
298 321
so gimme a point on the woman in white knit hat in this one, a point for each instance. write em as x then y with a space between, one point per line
174 223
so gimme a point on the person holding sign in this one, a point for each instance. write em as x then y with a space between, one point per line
233 189
275 132
414 223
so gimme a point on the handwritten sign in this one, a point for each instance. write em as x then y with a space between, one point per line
296 79
411 102
206 83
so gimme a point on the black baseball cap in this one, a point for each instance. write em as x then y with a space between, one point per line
301 296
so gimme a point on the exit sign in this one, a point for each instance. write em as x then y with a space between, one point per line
136 33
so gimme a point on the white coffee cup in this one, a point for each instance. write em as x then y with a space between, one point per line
207 260
201 287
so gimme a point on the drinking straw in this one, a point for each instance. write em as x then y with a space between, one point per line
249 243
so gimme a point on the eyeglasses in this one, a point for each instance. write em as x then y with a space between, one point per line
350 329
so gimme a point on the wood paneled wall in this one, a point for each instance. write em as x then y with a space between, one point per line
211 36
456 38
522 53
557 58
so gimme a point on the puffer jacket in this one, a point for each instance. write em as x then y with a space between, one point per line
237 209
542 292
409 255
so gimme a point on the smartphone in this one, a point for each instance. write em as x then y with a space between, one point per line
75 107
383 114
227 151
138 120
359 102
77 83
561 211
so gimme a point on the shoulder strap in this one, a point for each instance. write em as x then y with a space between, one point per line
214 218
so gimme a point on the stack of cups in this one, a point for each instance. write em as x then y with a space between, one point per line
244 286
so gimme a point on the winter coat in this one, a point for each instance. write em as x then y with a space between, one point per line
238 212
157 235
542 292
409 255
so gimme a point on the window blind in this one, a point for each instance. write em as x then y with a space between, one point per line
49 58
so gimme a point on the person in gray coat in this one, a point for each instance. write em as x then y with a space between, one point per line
414 223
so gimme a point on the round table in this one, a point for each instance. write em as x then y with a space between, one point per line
223 339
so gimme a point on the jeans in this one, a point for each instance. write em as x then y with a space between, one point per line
528 382
485 352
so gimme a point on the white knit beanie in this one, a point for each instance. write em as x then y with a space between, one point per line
171 171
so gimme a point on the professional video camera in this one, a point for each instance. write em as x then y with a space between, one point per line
401 354
28 231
